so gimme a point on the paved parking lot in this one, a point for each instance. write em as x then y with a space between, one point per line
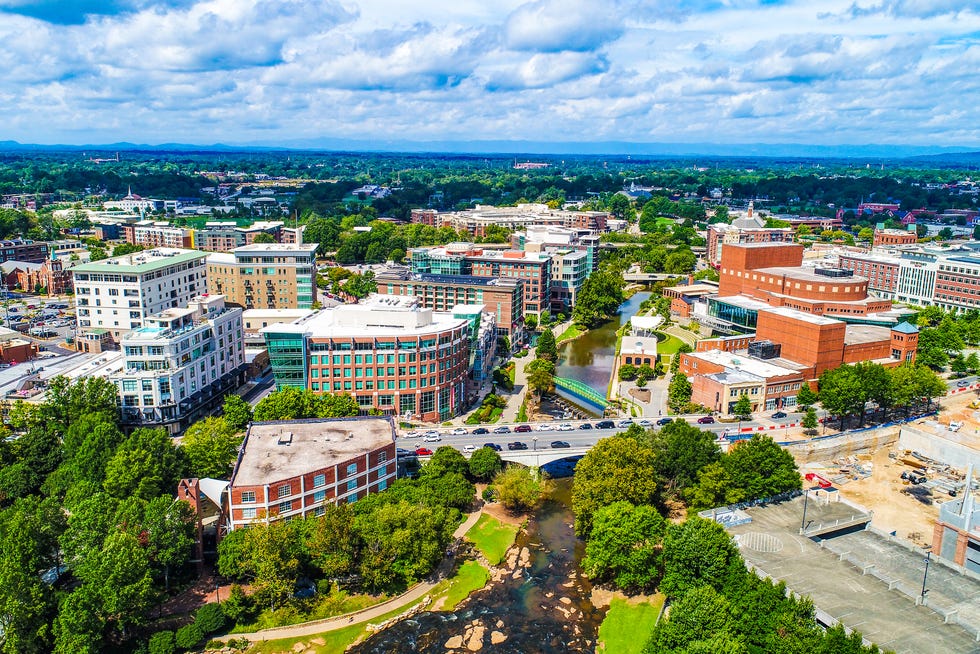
771 543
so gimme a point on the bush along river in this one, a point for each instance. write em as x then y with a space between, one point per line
536 601
590 357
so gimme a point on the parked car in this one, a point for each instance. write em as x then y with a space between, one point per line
645 422
962 383
517 445
585 425
469 449
545 427
431 432
605 424
493 446
413 434
423 451
459 431
706 420
432 438
565 427
520 429
622 424
481 430
559 444
503 429
779 415
664 421
403 452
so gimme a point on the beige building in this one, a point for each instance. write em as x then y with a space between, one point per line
265 275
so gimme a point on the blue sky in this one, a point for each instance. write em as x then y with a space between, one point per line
821 72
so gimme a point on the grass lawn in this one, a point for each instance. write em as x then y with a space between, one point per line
470 576
492 537
627 626
321 606
573 331
669 345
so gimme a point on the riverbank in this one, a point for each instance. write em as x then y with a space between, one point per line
628 623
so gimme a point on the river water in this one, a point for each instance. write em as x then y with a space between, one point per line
546 608
590 357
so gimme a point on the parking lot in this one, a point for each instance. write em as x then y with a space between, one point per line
889 618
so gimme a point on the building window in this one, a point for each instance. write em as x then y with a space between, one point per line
319 511
285 506
248 514
352 469
319 496
383 484
351 485
285 491
319 480
248 497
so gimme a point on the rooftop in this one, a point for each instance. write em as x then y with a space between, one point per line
141 262
808 275
734 361
277 247
694 289
284 449
802 315
857 334
469 280
639 345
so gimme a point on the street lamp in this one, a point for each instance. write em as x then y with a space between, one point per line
925 574
806 495
534 439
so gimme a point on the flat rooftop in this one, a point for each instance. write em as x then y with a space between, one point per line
283 449
646 345
806 274
857 334
277 247
801 315
735 361
141 262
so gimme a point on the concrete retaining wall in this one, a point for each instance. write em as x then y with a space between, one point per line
842 445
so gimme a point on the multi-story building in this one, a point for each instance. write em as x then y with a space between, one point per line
390 353
255 319
158 234
476 221
116 295
534 268
48 277
265 275
225 236
483 343
544 238
503 297
750 229
181 363
293 234
295 468
956 534
23 250
885 237
133 203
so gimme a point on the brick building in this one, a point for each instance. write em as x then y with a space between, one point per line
265 275
750 229
23 250
883 237
296 467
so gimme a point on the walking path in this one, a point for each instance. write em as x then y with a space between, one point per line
416 592
516 397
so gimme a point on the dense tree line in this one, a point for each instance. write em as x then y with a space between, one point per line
292 403
848 390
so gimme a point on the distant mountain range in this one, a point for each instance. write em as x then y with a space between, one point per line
939 154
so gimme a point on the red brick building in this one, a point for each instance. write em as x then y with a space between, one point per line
894 237
295 467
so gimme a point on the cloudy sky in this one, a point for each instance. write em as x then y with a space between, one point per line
723 71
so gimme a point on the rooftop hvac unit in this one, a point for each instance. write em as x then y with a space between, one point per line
764 349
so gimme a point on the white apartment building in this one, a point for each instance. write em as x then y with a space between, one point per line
149 233
181 363
116 295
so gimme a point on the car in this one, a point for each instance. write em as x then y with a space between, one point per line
493 446
503 429
605 424
962 383
413 434
431 432
517 445
706 420
481 430
664 421
622 424
520 429
644 422
432 438
403 452
423 451
585 425
459 431
545 427
559 444
469 449
779 415
565 427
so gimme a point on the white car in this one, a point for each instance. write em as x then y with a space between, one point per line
645 423
565 427
413 434
469 449
545 427
459 431
432 438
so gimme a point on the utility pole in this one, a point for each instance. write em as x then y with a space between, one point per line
925 575
806 495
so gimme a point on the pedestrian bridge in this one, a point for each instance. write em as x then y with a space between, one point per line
535 458
576 391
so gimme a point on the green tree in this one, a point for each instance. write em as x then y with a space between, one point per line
446 460
866 234
715 487
621 207
211 446
162 642
520 488
263 238
210 618
119 574
332 542
624 545
126 248
598 299
700 618
973 361
806 397
236 412
809 422
743 407
679 393
842 392
484 464
239 607
628 372
681 450
958 364
761 468
696 553
145 465
616 469
540 376
68 400
531 321
189 636
546 348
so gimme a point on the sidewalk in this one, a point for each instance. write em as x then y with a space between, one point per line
516 397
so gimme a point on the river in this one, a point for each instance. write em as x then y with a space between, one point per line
590 357
546 608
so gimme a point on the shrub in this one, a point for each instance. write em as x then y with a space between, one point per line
189 636
209 618
489 494
238 607
162 642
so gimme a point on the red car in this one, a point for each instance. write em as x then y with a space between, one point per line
423 451
522 428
